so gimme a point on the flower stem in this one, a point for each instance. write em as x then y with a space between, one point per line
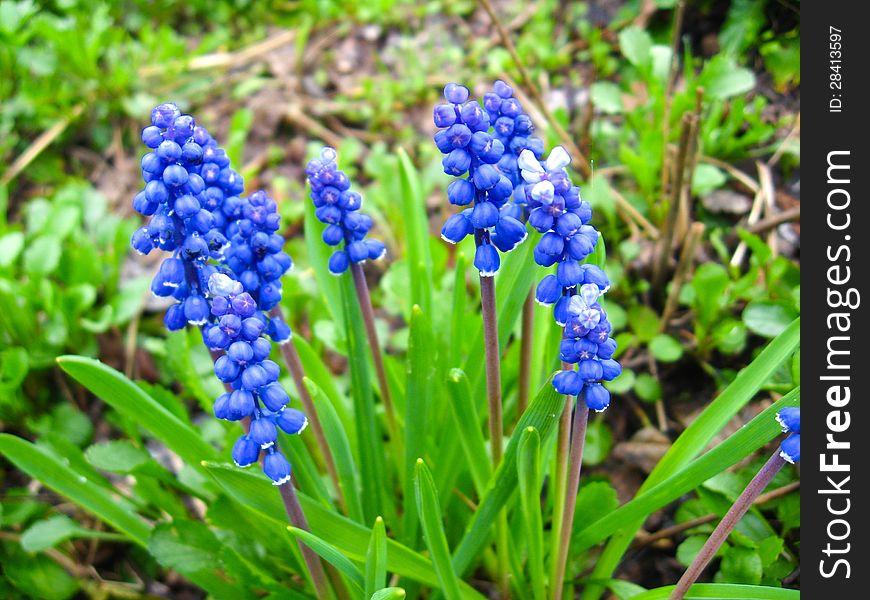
578 441
727 524
493 366
526 343
294 365
365 303
559 479
297 518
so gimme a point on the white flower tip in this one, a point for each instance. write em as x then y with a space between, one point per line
558 159
198 322
447 239
487 273
281 481
786 457
304 425
267 445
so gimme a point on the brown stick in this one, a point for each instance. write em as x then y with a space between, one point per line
365 303
727 524
683 266
297 518
294 365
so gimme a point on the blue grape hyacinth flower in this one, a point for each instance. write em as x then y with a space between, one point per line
472 155
558 211
338 207
790 420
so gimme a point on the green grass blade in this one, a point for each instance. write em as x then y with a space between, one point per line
418 393
251 489
416 233
331 555
529 473
371 455
132 402
433 530
318 256
696 437
542 414
458 310
467 424
340 447
314 368
376 559
748 439
723 591
43 467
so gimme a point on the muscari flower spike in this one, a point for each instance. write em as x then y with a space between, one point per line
472 155
338 207
790 420
563 217
191 197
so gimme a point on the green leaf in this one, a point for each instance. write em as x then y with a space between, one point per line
689 548
392 593
758 432
119 456
529 474
720 591
433 530
768 318
413 206
644 322
59 528
636 45
42 255
647 388
35 576
624 589
40 465
468 430
721 78
10 247
542 414
607 97
251 490
331 555
376 559
665 348
132 402
340 447
371 449
741 565
706 179
599 441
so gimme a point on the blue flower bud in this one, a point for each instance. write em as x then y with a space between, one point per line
276 468
174 318
292 421
594 274
254 376
376 249
560 312
273 396
790 449
597 397
484 215
485 177
569 274
141 241
611 369
251 329
541 220
244 305
606 349
568 383
486 260
444 115
460 192
221 406
196 310
789 419
579 247
333 235
226 369
338 262
589 370
568 224
357 252
457 162
455 93
261 346
164 114
241 404
240 352
510 231
175 175
278 331
245 451
456 228
263 432
548 291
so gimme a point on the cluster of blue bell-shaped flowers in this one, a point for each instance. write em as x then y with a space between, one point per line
472 154
790 420
558 211
192 197
338 206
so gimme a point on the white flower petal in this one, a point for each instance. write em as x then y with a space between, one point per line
558 159
576 306
530 167
543 192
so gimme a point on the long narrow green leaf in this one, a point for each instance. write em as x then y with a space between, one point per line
529 473
542 414
317 371
468 430
132 402
457 315
696 437
392 593
376 559
433 530
417 395
330 554
340 447
416 233
43 467
371 455
318 256
752 436
252 490
723 591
